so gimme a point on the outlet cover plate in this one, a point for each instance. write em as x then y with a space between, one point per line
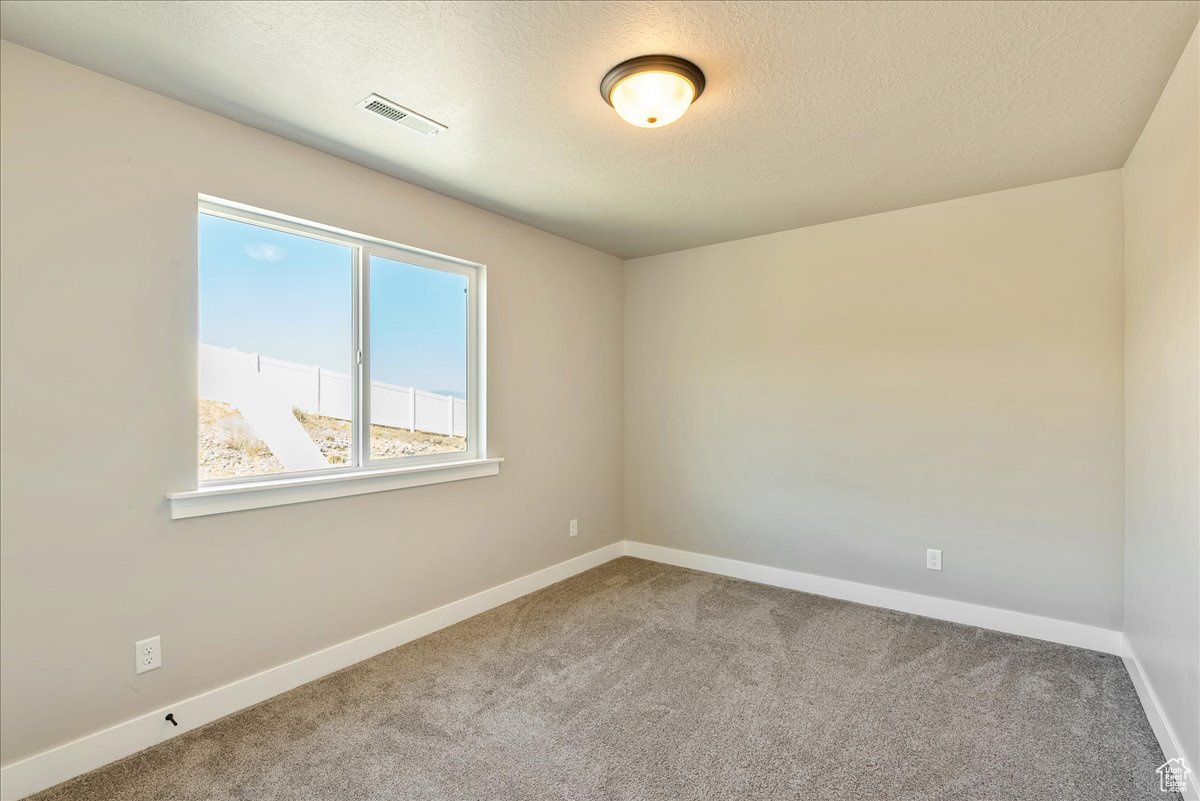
933 559
147 654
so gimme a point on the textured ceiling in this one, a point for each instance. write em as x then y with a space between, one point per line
813 111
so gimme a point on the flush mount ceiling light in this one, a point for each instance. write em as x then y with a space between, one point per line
652 91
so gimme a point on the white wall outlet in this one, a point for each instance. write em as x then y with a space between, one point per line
574 528
148 654
933 559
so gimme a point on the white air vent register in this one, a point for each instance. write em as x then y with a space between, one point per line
403 116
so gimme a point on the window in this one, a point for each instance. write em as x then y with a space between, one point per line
326 353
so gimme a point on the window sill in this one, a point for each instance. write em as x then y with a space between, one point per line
278 492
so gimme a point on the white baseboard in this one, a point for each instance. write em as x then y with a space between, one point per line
95 750
1159 722
51 767
1040 628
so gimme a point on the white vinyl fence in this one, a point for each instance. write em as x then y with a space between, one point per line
229 376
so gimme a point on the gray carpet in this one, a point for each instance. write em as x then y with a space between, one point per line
641 681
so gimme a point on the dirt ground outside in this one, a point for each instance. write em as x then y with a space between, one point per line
229 449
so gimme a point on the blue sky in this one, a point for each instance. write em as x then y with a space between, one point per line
289 297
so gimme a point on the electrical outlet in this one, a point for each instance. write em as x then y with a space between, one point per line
574 528
933 559
147 654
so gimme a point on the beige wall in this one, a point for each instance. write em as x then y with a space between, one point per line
1162 400
836 399
99 219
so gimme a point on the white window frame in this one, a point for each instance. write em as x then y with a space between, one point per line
363 474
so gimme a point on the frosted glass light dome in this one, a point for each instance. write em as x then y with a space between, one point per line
652 91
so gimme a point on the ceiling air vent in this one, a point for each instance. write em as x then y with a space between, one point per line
401 115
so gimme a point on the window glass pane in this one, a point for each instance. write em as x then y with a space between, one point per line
418 360
275 351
